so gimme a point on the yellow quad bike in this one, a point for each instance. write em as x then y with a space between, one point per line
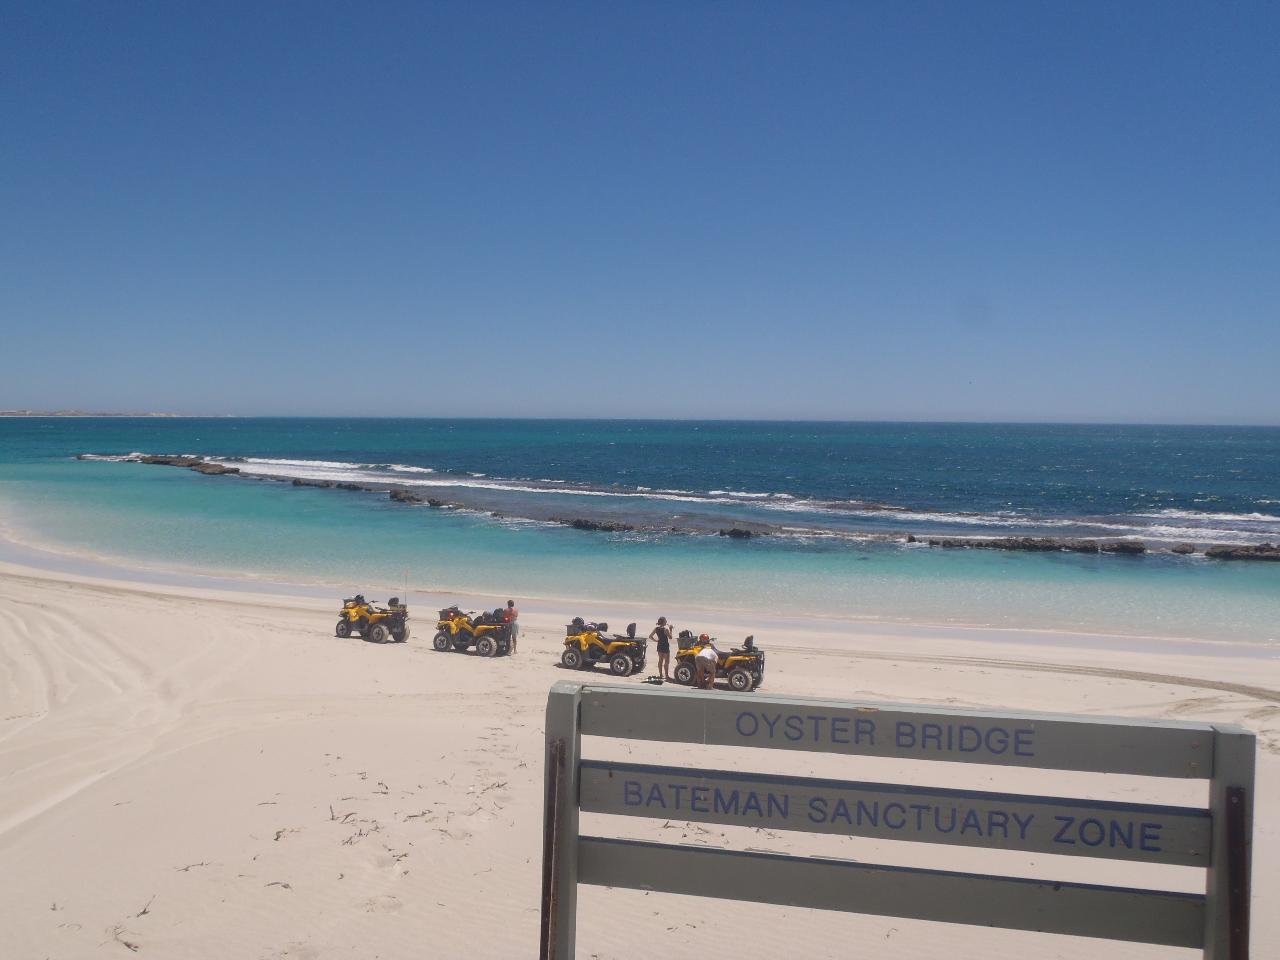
490 633
377 624
586 644
742 667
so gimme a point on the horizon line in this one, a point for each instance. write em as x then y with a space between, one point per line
13 415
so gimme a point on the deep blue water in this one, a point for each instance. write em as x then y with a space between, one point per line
837 499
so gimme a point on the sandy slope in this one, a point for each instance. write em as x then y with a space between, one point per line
186 773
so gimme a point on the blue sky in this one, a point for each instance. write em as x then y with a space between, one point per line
1039 211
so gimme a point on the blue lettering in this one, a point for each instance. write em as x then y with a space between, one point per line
1118 834
1061 835
997 740
971 822
840 730
997 820
678 788
1099 837
1149 837
726 804
906 734
902 814
930 731
818 809
655 796
1023 823
794 728
974 742
631 795
937 820
921 809
699 801
779 807
1022 743
771 724
871 814
841 812
742 727
862 727
752 804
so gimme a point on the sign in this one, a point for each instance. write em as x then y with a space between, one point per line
1217 839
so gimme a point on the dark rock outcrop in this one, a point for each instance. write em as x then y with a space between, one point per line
344 485
1262 551
433 502
404 496
605 526
191 463
300 482
1127 548
1182 548
738 533
213 469
1031 544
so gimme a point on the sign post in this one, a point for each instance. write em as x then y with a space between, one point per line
1217 839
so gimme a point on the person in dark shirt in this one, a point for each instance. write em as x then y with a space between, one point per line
662 635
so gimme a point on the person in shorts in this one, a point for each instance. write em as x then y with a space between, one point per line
661 634
706 661
513 616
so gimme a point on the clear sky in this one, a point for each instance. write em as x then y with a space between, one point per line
1039 211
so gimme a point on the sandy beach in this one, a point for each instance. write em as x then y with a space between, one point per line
202 773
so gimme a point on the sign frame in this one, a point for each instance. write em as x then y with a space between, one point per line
1222 754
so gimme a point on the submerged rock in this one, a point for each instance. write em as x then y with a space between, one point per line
404 496
300 482
1263 551
345 485
1182 548
738 533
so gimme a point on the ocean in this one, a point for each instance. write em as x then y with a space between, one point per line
831 505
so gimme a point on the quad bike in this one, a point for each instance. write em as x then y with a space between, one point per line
490 633
742 667
377 624
585 645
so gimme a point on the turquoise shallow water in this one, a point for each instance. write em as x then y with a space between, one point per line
176 520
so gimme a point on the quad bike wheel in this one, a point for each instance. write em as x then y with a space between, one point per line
378 633
620 665
343 629
486 647
683 673
572 658
441 642
401 635
740 680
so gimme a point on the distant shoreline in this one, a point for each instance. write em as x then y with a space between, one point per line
82 414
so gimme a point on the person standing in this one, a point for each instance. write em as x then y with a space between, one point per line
662 635
513 616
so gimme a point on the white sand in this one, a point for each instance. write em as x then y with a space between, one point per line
189 773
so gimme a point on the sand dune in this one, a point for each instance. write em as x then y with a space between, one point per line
189 773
